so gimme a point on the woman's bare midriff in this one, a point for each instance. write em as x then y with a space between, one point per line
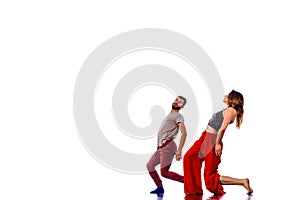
210 129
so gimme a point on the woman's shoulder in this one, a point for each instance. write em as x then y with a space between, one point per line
230 110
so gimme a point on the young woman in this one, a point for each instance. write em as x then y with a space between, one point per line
209 149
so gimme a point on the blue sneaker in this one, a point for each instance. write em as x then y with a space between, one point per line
159 190
160 196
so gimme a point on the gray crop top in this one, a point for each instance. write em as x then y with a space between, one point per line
216 120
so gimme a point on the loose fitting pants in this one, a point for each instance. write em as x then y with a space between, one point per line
202 150
164 157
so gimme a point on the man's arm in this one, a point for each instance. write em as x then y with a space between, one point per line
182 141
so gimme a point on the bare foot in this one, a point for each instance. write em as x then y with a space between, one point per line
246 185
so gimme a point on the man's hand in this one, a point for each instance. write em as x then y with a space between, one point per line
218 150
178 155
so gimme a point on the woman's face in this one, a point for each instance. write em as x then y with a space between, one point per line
225 100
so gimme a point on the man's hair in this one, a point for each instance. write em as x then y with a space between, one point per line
184 99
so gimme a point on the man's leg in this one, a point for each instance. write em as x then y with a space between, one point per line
154 160
166 157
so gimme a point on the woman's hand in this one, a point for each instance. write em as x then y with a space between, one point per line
218 150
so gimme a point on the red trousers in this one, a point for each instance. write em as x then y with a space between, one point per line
202 150
164 157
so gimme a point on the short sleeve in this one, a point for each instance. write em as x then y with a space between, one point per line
179 119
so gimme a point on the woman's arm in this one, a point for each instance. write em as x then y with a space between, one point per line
229 115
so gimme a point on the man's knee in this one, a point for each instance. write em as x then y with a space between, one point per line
164 173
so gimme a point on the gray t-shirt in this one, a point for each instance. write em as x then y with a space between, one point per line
169 128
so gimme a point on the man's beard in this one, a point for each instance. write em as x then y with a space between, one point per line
175 107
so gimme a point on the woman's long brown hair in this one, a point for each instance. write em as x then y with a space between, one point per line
236 101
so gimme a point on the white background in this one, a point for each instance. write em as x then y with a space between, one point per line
254 45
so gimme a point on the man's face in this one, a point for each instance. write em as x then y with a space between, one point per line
177 104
